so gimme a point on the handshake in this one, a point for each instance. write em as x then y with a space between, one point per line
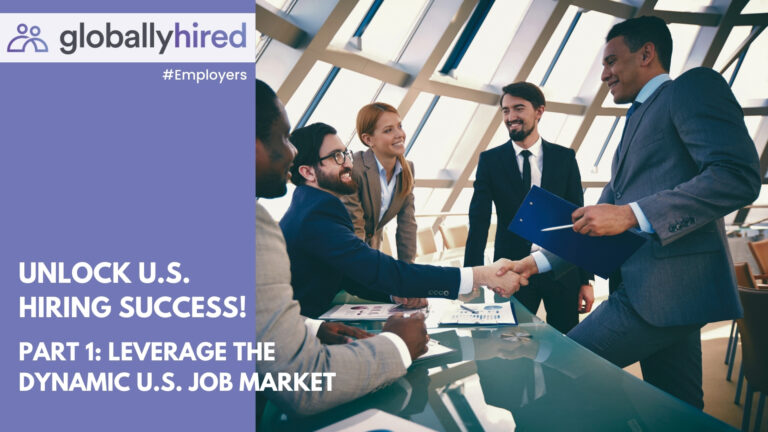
505 277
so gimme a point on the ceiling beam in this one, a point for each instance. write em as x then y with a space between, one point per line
273 23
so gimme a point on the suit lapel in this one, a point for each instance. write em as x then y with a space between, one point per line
373 183
509 160
396 203
549 171
632 127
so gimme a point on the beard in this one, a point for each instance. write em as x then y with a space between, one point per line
335 184
521 134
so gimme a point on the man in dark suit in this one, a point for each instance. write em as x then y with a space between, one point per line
685 160
504 176
327 256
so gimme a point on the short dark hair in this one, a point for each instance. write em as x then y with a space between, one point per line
308 141
525 90
641 30
266 110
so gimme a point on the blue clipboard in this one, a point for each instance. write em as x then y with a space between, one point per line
599 255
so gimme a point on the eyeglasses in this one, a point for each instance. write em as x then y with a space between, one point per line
338 156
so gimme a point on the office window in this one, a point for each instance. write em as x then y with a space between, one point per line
682 6
588 154
275 63
349 92
735 38
490 43
559 128
442 131
683 36
755 6
752 81
584 47
306 91
387 33
351 24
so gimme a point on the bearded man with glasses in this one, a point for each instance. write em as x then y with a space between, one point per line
327 256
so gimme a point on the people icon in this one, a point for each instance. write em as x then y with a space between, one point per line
20 42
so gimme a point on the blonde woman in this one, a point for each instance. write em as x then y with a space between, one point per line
385 181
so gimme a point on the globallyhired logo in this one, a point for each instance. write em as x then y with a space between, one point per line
147 35
27 37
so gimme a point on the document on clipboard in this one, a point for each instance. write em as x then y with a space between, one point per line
599 255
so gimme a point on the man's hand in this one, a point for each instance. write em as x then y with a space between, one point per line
525 267
411 330
603 219
411 302
586 298
497 277
332 333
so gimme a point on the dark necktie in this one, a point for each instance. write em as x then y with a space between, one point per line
526 170
632 109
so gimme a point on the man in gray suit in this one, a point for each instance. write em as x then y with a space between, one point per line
361 366
685 160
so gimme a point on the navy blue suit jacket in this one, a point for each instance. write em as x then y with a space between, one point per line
327 256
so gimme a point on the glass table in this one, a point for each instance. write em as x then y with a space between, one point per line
528 377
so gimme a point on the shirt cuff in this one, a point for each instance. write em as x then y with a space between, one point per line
313 325
541 262
467 281
645 226
402 348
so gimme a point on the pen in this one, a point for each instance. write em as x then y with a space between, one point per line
559 227
468 309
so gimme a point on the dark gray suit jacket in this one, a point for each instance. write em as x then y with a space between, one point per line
687 159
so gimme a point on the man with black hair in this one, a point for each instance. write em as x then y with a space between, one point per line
360 366
504 175
327 256
685 160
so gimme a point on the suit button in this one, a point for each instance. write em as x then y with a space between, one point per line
618 195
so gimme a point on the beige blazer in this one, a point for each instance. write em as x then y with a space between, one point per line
364 208
361 366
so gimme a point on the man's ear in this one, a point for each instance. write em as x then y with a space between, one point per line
308 173
648 53
539 112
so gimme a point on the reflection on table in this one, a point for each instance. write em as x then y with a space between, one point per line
526 378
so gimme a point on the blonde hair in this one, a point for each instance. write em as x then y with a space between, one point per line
367 118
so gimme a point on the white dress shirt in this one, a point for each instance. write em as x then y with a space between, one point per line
536 160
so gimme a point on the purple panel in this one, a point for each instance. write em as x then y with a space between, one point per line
108 162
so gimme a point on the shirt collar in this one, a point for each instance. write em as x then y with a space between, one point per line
651 87
535 149
383 172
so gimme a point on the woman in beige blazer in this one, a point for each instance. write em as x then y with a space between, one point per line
385 181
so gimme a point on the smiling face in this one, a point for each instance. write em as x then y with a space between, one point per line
622 70
388 137
331 176
520 118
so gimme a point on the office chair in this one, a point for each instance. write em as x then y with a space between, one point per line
754 351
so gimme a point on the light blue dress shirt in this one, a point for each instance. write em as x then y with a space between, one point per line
387 187
541 261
